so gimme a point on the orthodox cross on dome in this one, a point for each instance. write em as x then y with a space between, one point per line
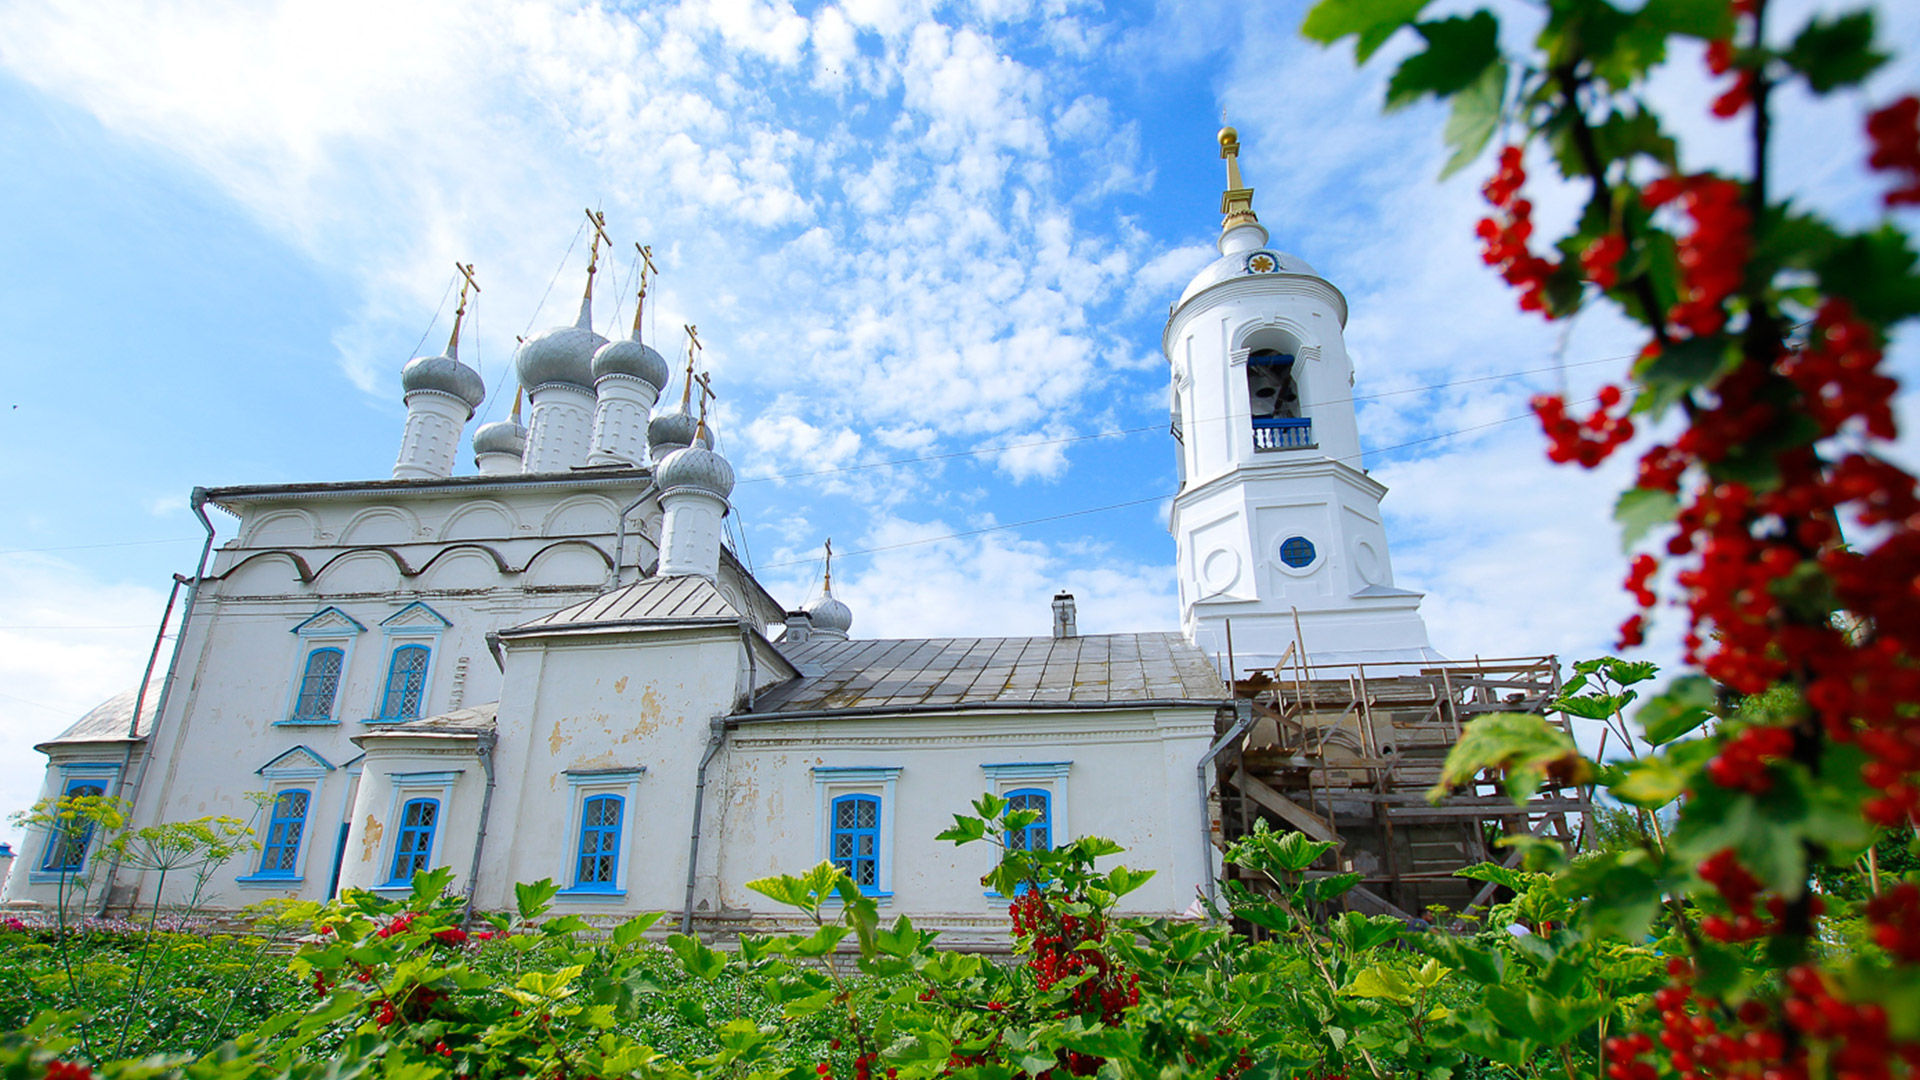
693 344
647 270
459 313
599 223
1237 202
707 393
826 578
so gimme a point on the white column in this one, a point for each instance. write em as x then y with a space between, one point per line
623 405
432 437
560 429
690 533
497 464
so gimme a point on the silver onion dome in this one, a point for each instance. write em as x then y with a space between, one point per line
671 429
695 467
630 357
501 437
445 374
830 614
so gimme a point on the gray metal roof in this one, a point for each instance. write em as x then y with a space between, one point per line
672 599
930 673
459 721
107 721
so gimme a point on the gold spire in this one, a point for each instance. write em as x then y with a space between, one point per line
518 391
1236 204
453 340
706 393
646 269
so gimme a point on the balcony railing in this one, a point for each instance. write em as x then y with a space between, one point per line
1282 432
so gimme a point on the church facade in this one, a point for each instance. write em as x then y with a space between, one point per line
553 667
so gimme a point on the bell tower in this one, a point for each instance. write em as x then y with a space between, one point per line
1276 524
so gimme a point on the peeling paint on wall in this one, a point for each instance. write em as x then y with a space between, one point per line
620 686
370 839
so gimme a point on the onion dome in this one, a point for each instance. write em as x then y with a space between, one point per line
563 354
830 615
445 374
630 357
695 467
670 430
501 437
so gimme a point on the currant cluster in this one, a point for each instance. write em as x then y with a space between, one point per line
1601 260
862 1066
1504 243
1629 1054
1713 255
1838 373
1895 132
1859 1045
1741 764
1590 441
1056 939
1720 60
1895 916
68 1070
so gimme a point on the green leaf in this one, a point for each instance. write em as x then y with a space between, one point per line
1836 52
1708 20
700 961
1331 888
635 929
966 829
1362 932
1499 875
1458 52
1475 117
1379 983
1639 510
1682 707
1526 745
533 899
1875 271
1121 881
1651 782
1623 888
1371 21
1680 367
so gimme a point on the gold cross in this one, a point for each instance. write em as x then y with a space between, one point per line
706 394
693 342
827 586
646 268
599 223
453 340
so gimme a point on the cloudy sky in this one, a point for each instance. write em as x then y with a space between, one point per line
929 246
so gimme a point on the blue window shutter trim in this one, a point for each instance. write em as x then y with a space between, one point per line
854 841
406 683
1039 835
598 863
67 847
413 850
285 827
319 685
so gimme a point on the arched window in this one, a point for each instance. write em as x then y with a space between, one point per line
319 685
414 847
1039 835
1273 397
599 860
855 842
284 829
67 848
406 683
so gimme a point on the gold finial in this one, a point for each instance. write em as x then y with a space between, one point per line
706 393
1237 203
693 343
453 340
826 581
646 269
599 223
517 392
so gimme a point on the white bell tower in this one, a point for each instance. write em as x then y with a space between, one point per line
1277 526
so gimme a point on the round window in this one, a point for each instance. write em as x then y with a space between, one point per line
1297 552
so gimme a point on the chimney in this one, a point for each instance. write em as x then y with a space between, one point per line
799 627
1063 616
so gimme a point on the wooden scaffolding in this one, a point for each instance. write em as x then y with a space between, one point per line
1348 753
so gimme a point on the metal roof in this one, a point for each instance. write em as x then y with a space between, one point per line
929 673
107 721
650 600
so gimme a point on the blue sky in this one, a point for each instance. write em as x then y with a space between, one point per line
904 229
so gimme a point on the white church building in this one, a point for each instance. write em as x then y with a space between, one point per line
553 667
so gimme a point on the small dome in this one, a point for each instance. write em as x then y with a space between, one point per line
563 354
1255 263
445 374
629 357
695 467
501 437
671 429
830 614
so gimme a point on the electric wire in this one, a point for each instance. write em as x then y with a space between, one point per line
435 321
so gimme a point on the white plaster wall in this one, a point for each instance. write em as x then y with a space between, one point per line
690 533
559 427
432 435
623 406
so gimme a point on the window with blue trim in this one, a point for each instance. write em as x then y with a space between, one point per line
599 862
1039 835
285 826
406 683
415 844
854 844
319 685
67 848
1297 551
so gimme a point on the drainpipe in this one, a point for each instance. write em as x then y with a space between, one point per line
1244 710
620 531
197 501
484 750
753 673
715 740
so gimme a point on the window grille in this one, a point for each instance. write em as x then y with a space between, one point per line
67 849
1039 835
856 839
406 683
1297 552
319 685
284 829
599 841
415 845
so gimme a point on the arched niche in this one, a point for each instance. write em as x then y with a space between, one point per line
284 528
568 563
268 573
375 571
482 520
465 567
582 515
1277 404
381 525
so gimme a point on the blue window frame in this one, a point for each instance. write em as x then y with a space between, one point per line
1039 835
67 848
319 685
854 844
285 826
599 863
1297 551
415 845
406 683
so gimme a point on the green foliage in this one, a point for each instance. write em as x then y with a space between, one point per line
1525 746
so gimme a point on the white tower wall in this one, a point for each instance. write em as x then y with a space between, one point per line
690 532
559 429
432 436
497 464
624 405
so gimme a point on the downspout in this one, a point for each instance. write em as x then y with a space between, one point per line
1244 710
483 750
620 530
715 740
753 673
197 501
